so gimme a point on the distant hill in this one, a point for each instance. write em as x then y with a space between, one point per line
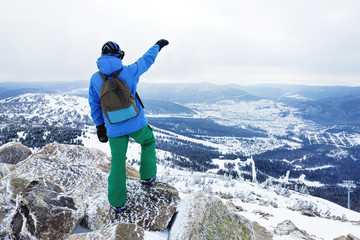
193 92
296 93
338 110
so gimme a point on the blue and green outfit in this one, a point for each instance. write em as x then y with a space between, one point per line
119 133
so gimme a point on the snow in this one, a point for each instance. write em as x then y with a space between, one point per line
282 204
322 228
156 235
275 118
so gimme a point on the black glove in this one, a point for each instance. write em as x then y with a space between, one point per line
101 133
162 43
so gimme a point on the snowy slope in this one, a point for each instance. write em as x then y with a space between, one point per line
52 109
265 203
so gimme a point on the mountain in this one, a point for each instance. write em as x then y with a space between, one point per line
12 89
160 107
335 110
301 144
192 92
291 93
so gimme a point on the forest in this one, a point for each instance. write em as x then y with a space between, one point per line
38 136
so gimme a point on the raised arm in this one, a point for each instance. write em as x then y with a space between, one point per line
145 62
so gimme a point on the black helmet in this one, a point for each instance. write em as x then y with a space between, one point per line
112 49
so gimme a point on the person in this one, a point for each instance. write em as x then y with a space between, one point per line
118 134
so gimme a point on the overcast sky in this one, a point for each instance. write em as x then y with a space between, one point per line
313 42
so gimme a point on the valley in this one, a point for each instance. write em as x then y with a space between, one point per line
214 134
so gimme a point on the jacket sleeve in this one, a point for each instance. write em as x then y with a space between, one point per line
94 102
145 62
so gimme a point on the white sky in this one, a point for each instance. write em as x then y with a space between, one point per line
313 42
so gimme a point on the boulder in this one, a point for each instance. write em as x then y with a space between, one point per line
59 179
287 227
151 207
13 153
261 233
44 211
78 177
121 231
203 216
233 207
310 213
76 154
5 169
348 237
9 189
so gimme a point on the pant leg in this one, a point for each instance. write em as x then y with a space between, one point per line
146 139
117 179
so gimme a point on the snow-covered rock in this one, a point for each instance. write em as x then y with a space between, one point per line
288 228
6 169
348 237
13 152
45 211
203 216
123 231
151 207
53 190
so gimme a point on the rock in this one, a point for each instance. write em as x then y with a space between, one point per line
287 227
310 213
45 212
262 214
76 154
233 207
13 153
352 237
5 169
81 182
348 237
261 233
151 207
122 231
70 183
225 195
203 216
9 189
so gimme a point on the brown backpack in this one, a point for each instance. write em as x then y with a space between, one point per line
116 99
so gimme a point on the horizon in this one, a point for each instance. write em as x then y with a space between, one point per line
186 83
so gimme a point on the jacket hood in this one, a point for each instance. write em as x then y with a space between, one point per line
109 64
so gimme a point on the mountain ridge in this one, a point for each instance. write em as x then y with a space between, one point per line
191 133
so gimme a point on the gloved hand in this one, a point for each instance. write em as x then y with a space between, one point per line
101 133
162 43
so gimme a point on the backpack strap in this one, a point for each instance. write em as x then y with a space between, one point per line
138 97
105 77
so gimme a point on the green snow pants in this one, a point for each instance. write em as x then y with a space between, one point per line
117 179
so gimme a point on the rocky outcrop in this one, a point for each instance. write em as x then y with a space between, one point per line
287 227
348 237
13 153
122 231
261 233
75 154
49 193
5 169
44 211
151 207
203 216
310 213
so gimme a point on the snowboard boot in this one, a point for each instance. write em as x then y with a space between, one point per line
148 181
118 209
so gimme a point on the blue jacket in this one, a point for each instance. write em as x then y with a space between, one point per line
130 74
